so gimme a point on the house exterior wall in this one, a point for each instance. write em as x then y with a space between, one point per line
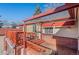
25 28
21 27
36 28
29 28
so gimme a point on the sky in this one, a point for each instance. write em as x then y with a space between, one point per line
17 12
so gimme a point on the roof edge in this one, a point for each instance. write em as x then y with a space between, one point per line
58 9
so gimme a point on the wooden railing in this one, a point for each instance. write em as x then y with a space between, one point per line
22 40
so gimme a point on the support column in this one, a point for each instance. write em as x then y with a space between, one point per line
24 28
40 30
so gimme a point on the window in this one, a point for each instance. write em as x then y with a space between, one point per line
48 30
34 27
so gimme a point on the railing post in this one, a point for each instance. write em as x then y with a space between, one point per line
5 47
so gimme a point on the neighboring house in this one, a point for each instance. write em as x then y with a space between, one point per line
7 26
21 26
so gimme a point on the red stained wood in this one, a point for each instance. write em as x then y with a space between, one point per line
59 24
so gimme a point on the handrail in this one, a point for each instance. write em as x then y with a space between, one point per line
36 47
